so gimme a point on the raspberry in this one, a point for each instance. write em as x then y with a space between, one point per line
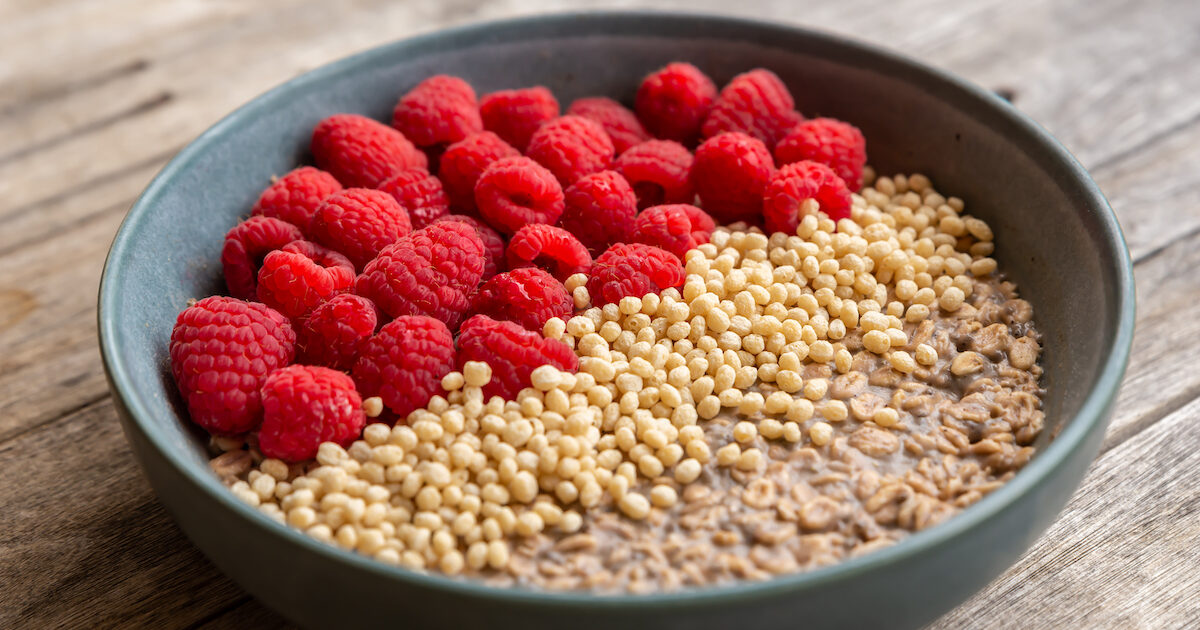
675 228
527 296
632 270
362 152
295 279
730 173
221 351
295 197
334 332
463 163
245 247
571 147
599 210
439 110
420 194
429 272
516 191
359 222
551 248
673 102
756 103
493 244
795 183
658 171
836 144
512 352
404 362
515 114
305 405
618 121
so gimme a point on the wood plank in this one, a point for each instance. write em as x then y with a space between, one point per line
84 542
1124 553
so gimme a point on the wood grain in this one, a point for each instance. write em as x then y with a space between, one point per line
96 97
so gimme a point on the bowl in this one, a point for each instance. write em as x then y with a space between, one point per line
1057 238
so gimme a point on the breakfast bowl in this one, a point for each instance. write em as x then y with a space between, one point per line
1059 239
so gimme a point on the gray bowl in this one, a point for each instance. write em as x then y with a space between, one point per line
1057 237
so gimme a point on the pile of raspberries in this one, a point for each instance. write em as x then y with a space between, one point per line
447 236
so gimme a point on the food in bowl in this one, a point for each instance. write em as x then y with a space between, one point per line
547 367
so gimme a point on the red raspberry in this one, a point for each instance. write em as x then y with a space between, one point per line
673 102
359 222
512 352
516 191
675 228
618 121
599 210
756 103
295 279
420 194
362 152
551 248
332 335
404 363
571 147
439 110
305 405
295 197
633 270
221 351
463 163
245 247
515 114
795 183
527 296
730 173
493 244
658 171
432 271
838 145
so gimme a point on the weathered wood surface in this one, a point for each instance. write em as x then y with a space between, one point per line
96 97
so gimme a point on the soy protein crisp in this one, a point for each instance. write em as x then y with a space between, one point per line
747 405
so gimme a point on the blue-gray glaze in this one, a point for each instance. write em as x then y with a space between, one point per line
1056 237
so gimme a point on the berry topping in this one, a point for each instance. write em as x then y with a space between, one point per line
730 173
517 191
221 351
362 152
600 210
245 247
673 102
571 147
618 121
430 272
515 114
551 248
420 194
295 197
463 163
675 228
632 270
803 187
527 296
332 335
404 362
493 244
306 405
359 222
658 170
439 110
295 279
512 351
836 144
756 103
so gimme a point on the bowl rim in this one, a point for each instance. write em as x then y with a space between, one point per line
1091 416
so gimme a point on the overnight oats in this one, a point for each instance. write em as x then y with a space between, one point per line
606 349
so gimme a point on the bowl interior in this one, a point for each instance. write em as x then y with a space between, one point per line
1054 238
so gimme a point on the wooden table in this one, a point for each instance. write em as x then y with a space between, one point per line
96 96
